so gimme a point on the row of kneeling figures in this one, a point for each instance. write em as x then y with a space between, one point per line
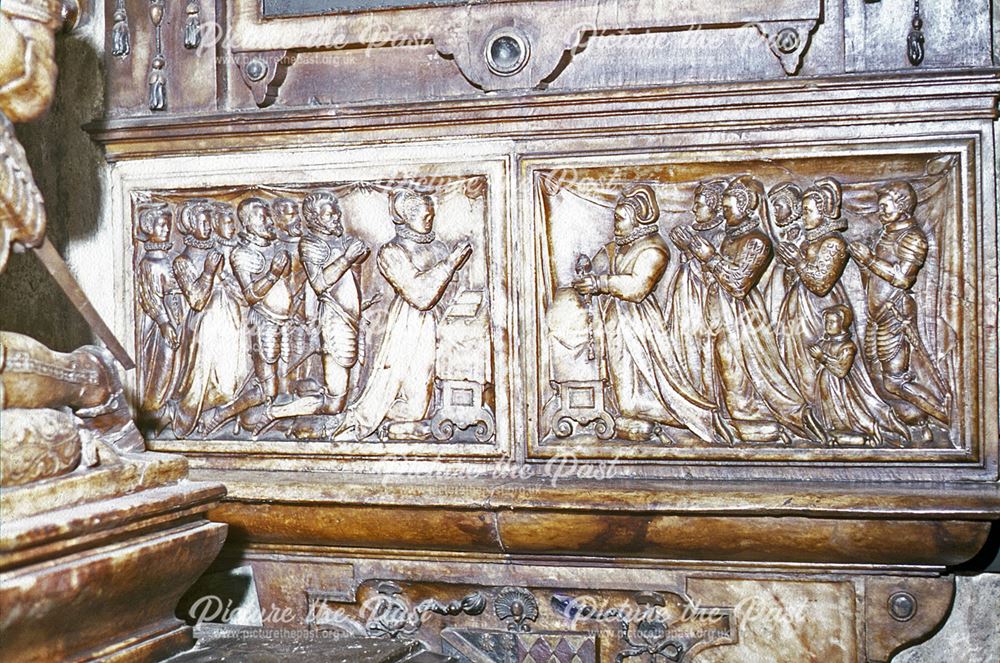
232 320
755 340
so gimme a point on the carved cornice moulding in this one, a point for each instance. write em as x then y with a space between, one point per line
824 499
692 522
779 526
813 104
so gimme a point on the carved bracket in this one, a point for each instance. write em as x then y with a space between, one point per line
788 42
902 612
577 405
507 52
500 46
264 72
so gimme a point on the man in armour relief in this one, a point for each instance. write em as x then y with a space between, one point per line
332 264
261 268
294 332
892 341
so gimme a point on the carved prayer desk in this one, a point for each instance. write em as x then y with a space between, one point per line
661 333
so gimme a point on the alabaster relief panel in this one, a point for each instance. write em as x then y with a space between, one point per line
343 311
821 307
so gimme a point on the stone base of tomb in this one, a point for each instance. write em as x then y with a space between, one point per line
518 572
98 576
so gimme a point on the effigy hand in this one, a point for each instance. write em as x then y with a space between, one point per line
214 260
789 253
586 285
281 264
460 256
681 236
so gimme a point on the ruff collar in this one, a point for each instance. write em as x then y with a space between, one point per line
405 232
828 227
196 243
711 224
637 233
743 228
158 246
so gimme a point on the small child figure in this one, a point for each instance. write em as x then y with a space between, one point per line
839 397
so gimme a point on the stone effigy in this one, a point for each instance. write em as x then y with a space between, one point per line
100 538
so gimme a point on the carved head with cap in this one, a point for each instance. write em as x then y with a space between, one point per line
742 199
195 219
837 319
224 221
155 221
707 207
786 204
820 202
413 209
636 207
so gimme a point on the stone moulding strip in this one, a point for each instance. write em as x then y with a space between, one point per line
821 102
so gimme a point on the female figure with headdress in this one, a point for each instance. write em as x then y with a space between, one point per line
162 301
228 361
786 214
687 332
753 383
842 390
816 267
818 264
649 386
419 269
222 364
196 269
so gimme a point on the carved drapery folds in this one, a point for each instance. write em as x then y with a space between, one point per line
785 309
789 308
349 311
